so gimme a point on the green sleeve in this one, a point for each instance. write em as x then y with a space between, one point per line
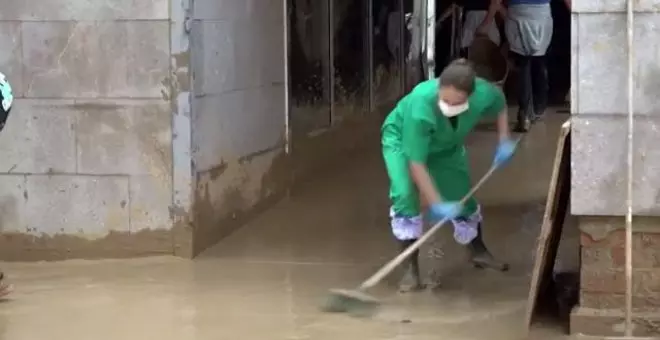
416 132
497 102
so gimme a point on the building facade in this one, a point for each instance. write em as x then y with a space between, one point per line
599 164
160 126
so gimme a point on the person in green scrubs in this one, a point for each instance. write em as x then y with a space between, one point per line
426 161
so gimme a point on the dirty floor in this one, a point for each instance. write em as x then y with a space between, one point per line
266 281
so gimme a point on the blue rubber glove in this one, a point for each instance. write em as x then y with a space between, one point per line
445 210
504 152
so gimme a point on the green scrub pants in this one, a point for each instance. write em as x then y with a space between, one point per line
449 170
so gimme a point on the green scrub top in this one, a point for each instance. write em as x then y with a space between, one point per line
417 131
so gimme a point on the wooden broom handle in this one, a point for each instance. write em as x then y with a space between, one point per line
390 266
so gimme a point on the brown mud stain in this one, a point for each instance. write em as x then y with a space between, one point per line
25 247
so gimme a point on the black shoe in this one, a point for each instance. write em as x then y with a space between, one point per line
523 126
481 257
412 280
524 120
537 117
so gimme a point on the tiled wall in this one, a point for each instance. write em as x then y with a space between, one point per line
86 152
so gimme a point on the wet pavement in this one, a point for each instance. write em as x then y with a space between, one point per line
267 280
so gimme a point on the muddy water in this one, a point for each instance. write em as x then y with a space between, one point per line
265 282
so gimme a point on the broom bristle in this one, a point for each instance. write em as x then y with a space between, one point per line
349 301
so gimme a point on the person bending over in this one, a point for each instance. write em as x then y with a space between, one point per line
426 160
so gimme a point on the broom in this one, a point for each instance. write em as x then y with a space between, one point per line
357 301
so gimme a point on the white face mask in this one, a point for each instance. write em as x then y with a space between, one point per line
452 110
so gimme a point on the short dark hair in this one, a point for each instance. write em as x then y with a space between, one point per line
459 74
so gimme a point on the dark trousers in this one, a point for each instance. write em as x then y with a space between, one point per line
463 53
532 86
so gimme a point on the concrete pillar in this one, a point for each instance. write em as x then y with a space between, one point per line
599 171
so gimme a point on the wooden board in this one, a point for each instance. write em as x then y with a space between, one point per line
556 208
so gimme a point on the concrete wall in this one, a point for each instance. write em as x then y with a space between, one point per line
154 127
238 111
239 121
599 171
86 154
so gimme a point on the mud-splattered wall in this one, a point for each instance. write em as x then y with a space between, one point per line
239 107
158 126
238 112
345 71
345 60
86 153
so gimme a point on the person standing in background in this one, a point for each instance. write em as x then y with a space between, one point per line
528 28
